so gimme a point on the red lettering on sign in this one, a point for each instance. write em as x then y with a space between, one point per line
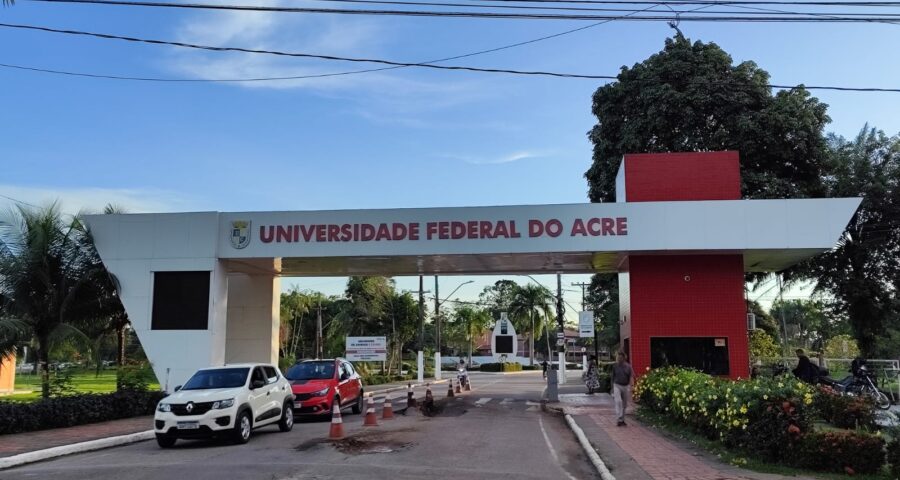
320 233
607 225
472 229
578 228
346 232
383 233
413 231
457 230
621 225
554 228
307 232
501 230
444 230
333 231
367 232
535 228
283 234
431 230
513 233
266 234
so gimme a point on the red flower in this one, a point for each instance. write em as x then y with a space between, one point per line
849 470
794 430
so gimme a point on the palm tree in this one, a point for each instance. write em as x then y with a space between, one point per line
531 305
472 322
48 280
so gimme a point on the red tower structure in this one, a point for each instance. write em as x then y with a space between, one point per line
684 309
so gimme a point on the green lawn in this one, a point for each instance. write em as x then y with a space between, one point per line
83 381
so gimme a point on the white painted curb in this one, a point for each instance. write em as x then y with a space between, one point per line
41 455
589 450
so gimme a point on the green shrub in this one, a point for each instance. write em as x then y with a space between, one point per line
75 410
893 457
61 383
501 367
134 377
839 451
844 411
531 367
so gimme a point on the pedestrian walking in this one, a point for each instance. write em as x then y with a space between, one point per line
622 374
544 368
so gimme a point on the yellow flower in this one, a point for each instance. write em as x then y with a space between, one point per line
743 409
780 385
736 423
765 397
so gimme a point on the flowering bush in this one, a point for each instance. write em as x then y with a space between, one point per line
844 411
841 451
766 415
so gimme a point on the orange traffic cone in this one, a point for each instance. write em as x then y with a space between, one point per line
410 398
429 397
450 388
468 384
371 421
458 390
337 425
387 412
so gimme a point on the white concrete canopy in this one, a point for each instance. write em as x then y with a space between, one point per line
245 252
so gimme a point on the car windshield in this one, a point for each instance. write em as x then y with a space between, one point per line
218 378
311 371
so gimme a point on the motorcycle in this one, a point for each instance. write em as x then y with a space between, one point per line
859 383
462 377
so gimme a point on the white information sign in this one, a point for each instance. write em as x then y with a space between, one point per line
366 349
586 324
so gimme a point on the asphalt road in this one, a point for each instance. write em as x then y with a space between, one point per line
497 431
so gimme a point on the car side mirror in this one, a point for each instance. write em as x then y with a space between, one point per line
257 384
177 388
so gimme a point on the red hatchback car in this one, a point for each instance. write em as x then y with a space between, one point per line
317 384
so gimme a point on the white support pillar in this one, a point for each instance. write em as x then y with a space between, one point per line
584 362
420 366
253 318
437 365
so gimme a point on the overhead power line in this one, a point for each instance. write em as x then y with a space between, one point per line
393 64
675 17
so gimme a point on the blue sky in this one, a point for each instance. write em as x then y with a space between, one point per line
401 138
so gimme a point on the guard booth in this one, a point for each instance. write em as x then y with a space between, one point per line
204 288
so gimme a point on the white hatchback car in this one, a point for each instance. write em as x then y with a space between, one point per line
225 401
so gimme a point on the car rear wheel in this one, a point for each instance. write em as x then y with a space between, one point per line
358 406
287 417
242 427
165 441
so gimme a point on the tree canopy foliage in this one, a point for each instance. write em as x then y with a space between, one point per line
692 97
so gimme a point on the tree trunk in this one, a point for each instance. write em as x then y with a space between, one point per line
43 355
120 345
531 339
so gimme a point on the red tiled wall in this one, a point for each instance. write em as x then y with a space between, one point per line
658 177
711 304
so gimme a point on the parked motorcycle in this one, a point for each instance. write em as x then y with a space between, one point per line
860 382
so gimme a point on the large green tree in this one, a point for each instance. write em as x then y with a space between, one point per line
862 273
692 97
51 281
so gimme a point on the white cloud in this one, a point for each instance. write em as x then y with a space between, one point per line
74 200
508 158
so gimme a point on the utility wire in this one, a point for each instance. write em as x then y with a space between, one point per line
490 15
347 59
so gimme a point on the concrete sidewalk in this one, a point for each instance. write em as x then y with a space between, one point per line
640 452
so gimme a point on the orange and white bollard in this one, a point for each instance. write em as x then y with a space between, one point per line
371 421
450 389
337 425
410 398
387 412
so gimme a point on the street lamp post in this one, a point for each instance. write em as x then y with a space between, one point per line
437 325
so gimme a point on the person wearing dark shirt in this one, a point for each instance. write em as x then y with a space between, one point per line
622 375
805 370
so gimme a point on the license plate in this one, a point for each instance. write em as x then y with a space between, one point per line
188 425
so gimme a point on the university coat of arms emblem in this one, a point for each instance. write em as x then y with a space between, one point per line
240 233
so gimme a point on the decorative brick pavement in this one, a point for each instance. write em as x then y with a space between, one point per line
659 457
31 441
